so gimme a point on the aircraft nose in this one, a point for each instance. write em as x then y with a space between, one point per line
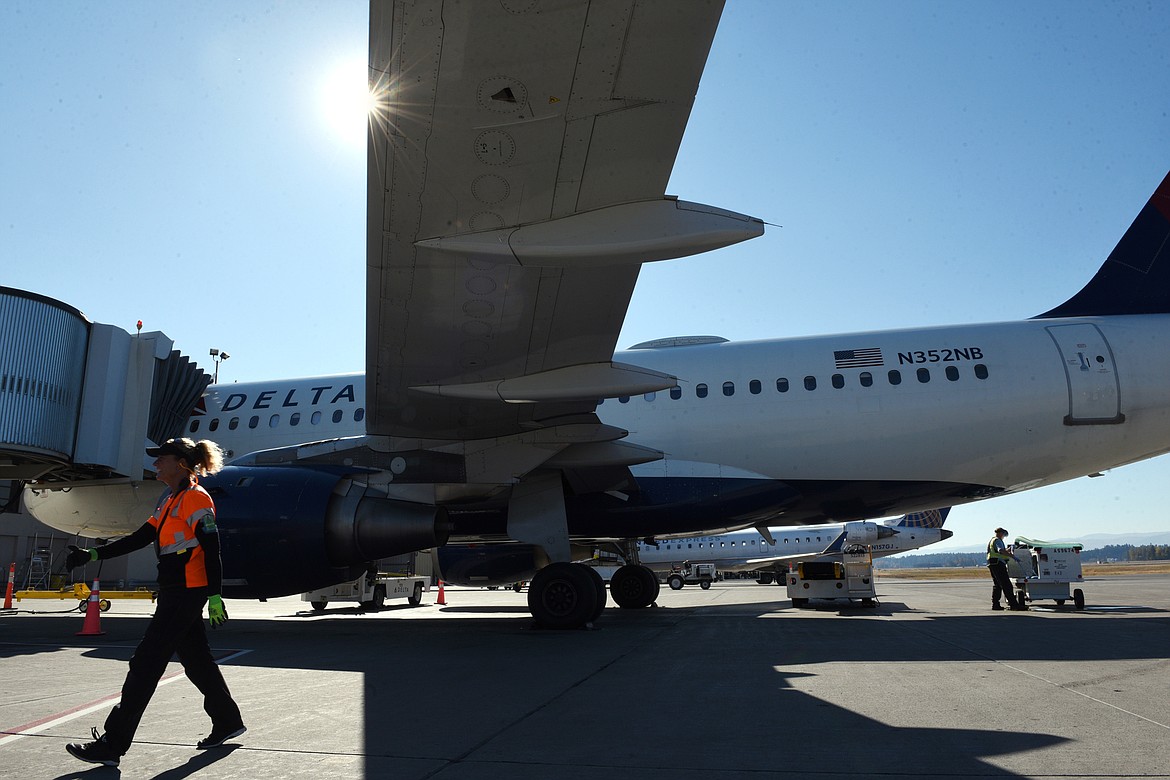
945 534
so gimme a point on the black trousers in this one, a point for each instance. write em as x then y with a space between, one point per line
176 629
1003 583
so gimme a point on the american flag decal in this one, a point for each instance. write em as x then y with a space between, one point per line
857 358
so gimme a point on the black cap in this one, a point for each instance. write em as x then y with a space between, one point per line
171 447
1001 530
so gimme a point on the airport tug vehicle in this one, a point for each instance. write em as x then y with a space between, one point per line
846 575
371 590
701 574
1047 571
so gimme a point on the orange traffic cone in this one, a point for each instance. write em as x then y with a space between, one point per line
93 614
8 591
442 600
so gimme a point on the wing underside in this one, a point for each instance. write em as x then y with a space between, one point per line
518 159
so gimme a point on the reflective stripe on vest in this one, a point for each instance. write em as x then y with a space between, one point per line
994 555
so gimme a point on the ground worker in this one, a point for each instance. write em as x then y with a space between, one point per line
997 558
190 575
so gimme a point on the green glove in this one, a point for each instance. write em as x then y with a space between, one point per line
216 612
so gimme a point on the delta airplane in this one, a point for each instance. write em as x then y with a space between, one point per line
517 163
772 552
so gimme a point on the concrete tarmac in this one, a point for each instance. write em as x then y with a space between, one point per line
731 682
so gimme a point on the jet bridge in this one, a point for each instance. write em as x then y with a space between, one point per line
78 399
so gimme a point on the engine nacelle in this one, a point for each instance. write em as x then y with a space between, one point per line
489 564
866 533
291 529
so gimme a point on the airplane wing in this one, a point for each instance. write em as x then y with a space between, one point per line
518 160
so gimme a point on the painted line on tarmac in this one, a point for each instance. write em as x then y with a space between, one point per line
49 721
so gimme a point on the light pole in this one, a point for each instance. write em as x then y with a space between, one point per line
217 356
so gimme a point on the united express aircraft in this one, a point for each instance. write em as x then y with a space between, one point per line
517 164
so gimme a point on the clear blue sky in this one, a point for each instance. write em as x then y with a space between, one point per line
191 165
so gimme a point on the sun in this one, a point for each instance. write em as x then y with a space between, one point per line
346 101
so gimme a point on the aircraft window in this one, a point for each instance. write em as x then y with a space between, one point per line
294 418
838 381
274 421
316 418
676 393
337 415
810 383
781 385
359 415
866 379
233 423
194 426
895 377
625 399
213 425
649 396
924 375
729 388
701 390
754 387
980 370
721 544
253 421
952 373
688 545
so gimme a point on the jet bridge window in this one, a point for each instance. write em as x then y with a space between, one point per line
754 387
729 388
781 385
701 390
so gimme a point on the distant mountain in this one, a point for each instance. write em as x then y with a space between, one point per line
1090 542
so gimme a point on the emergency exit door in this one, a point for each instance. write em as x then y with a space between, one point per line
1094 394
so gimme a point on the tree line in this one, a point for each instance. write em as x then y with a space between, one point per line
1110 552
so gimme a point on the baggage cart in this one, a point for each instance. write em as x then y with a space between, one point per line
1047 570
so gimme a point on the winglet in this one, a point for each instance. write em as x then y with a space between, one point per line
1135 279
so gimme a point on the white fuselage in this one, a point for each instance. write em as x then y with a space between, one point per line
750 551
1000 407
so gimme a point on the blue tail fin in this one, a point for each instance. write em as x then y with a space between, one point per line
1135 278
931 518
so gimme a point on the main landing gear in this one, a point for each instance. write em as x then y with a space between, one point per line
571 595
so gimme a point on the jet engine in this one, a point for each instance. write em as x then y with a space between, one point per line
290 529
866 533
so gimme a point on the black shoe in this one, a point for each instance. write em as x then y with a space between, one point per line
96 752
220 735
1019 607
997 607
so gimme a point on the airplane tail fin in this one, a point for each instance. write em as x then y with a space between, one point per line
1135 278
931 518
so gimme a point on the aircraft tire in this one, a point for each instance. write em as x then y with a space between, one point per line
765 578
562 595
633 587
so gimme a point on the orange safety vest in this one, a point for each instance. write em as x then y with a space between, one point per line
175 520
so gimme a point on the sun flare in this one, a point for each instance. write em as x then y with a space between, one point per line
346 101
